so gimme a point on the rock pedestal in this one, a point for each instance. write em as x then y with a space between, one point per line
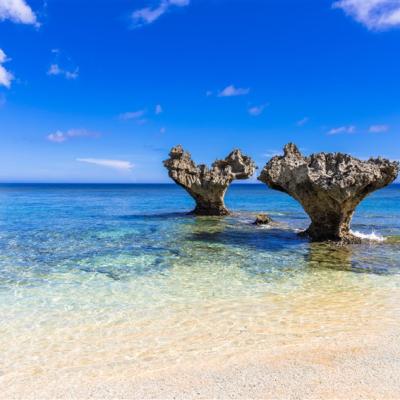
329 186
208 186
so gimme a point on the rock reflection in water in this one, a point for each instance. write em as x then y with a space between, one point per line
359 259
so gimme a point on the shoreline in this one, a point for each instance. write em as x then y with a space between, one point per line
102 302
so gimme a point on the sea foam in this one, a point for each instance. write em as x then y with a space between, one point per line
373 236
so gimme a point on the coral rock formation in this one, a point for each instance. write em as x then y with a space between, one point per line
262 219
329 186
208 186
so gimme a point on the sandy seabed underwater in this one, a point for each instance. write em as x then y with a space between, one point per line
103 286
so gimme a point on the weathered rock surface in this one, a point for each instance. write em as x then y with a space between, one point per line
208 186
262 219
329 186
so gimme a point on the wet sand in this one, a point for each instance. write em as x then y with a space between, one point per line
325 334
322 348
366 368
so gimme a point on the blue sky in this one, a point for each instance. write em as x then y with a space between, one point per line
100 91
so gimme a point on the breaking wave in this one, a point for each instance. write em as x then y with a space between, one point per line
373 236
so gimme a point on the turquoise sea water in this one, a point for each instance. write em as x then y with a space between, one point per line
98 274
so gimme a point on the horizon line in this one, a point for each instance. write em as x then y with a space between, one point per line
107 183
131 183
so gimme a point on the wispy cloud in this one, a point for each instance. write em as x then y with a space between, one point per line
272 153
255 111
374 14
5 76
132 115
62 65
57 137
17 11
60 137
55 70
378 128
148 15
303 121
138 115
342 129
158 110
114 164
231 91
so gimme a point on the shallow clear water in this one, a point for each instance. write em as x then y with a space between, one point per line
117 276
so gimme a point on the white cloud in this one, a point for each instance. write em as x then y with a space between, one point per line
3 57
133 115
231 91
272 153
374 14
5 76
257 110
114 164
57 137
342 129
56 70
158 109
148 15
378 128
303 121
72 74
60 137
17 11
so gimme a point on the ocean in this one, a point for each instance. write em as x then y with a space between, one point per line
104 280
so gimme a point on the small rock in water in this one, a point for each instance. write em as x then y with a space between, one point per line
262 219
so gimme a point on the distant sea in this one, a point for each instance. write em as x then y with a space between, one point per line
93 276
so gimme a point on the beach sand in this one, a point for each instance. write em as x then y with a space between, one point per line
335 369
332 349
326 334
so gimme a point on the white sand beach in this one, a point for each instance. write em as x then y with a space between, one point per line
340 369
307 344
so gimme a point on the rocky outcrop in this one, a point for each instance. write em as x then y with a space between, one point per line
208 186
329 186
262 219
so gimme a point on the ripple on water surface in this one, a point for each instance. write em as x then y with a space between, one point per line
96 278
